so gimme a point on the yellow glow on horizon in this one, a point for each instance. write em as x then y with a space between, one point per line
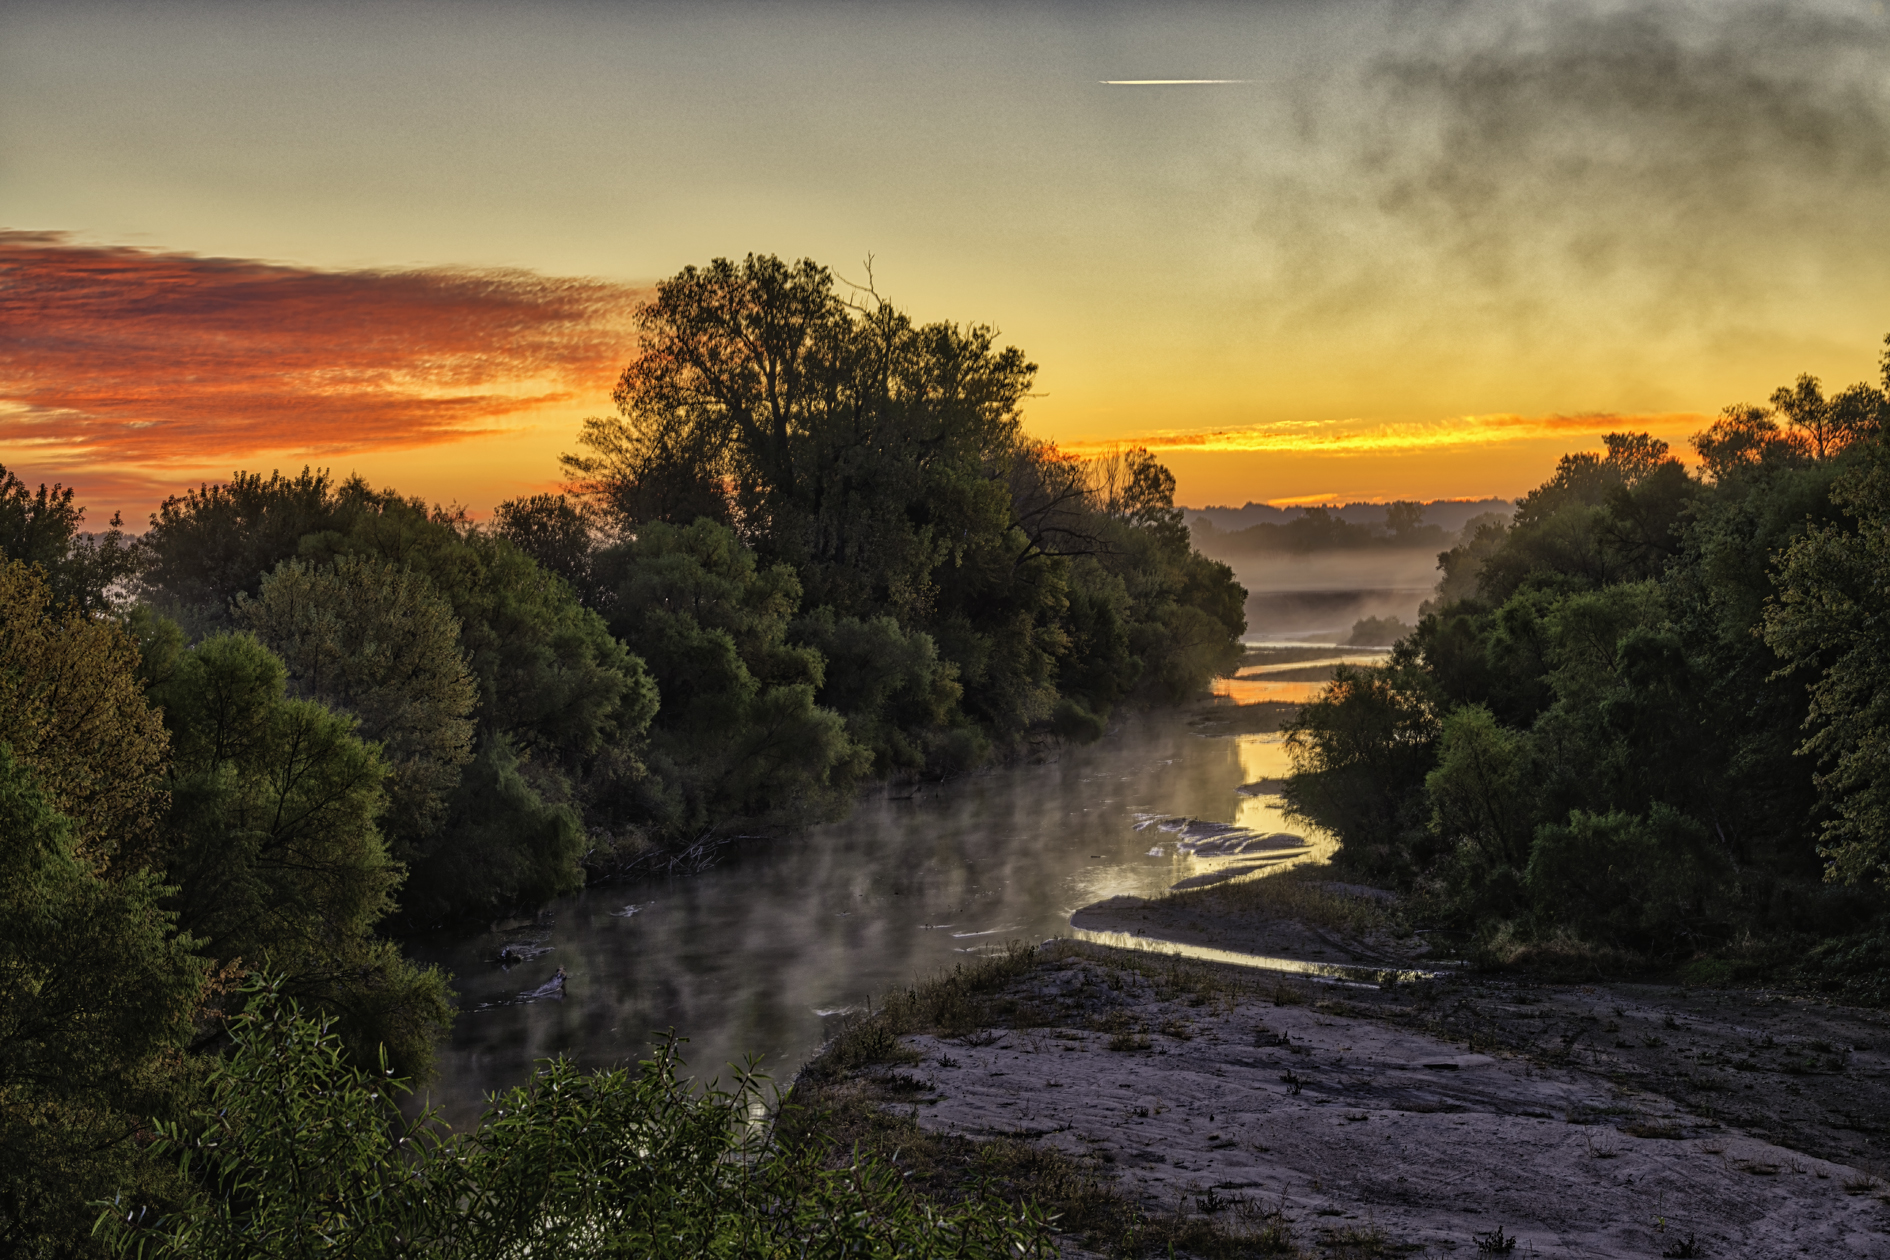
1351 437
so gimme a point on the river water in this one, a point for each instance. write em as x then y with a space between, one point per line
754 956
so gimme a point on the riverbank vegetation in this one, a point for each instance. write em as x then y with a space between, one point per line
297 1150
1644 722
300 716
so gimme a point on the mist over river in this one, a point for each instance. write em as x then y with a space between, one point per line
754 956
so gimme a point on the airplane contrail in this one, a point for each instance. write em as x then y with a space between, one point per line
1164 82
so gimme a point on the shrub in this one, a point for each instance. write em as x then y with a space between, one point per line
297 1151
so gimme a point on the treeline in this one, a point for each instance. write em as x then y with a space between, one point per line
814 547
1648 718
1320 529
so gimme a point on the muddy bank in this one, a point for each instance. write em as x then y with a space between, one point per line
1269 1114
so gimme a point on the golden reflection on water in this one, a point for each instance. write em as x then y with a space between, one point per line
1264 757
1287 682
1348 973
1258 690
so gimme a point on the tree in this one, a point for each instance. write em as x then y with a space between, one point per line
884 462
372 639
875 457
567 701
1601 518
97 991
1745 438
502 846
1622 760
898 697
73 709
209 545
555 531
1360 753
274 849
1402 517
43 528
1828 425
1827 621
762 378
739 735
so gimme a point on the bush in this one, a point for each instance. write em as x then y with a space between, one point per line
297 1151
1360 753
1643 882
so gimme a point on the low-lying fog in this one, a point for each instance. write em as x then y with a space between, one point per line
1316 594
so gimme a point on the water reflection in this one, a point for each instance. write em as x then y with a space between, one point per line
1358 975
752 956
1288 682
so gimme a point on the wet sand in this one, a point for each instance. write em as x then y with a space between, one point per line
1598 1120
1351 1110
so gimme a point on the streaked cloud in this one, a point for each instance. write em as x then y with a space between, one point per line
119 366
1351 437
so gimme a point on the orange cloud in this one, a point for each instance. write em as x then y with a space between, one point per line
128 366
1354 437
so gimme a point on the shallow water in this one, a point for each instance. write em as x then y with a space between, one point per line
754 956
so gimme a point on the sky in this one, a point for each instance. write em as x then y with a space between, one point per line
1410 250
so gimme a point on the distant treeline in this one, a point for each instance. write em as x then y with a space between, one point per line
1647 719
812 548
1220 531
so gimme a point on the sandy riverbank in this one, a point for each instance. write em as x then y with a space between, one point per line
1253 1109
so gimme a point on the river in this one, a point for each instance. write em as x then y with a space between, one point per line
753 956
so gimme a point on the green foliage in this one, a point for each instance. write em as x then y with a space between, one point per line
902 582
371 639
1639 882
1599 519
1462 566
1663 698
739 735
1481 809
298 1152
96 996
883 462
556 532
897 697
442 639
274 849
42 527
1360 753
1828 621
1185 613
547 670
502 846
211 544
72 707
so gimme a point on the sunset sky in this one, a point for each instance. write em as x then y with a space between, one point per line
1414 250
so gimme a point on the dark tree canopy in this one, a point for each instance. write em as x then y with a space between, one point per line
884 462
1648 714
42 527
97 991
